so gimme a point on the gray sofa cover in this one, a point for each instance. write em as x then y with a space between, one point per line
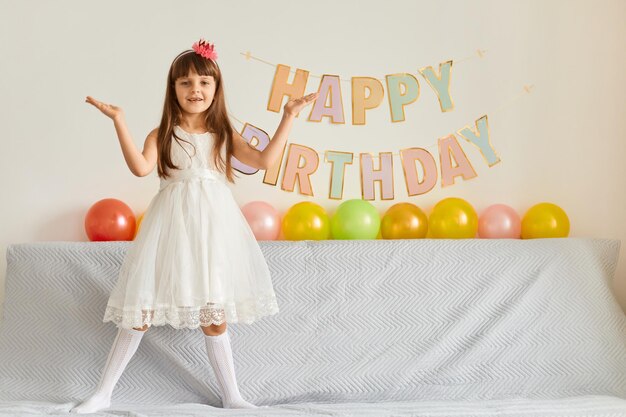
366 327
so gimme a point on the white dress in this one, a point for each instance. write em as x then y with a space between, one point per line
195 260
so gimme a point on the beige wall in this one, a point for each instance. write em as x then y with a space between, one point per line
562 143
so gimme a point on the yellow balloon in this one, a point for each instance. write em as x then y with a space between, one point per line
404 221
453 218
429 233
545 220
139 220
306 221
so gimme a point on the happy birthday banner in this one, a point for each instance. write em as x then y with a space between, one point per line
367 93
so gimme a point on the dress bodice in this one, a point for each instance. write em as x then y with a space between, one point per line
183 154
193 158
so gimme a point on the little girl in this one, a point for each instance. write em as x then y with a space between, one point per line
194 262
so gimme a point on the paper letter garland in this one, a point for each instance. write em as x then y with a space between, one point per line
376 170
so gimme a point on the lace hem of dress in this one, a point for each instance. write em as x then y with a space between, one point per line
193 317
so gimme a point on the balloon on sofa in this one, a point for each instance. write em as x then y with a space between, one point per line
355 219
263 218
110 219
306 221
139 220
545 220
499 221
453 218
404 221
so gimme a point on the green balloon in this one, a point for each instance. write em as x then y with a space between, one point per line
355 219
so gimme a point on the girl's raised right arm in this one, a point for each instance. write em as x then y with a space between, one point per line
139 163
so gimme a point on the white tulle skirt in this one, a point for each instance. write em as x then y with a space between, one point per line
194 262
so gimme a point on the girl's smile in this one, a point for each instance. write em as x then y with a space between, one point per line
195 92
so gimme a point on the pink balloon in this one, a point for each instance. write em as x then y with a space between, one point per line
263 218
499 221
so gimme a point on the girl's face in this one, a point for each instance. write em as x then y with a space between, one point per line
195 92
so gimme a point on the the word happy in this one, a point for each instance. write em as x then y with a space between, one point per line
367 93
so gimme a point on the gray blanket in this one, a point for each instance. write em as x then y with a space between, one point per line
361 322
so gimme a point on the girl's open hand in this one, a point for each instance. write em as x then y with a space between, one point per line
108 109
294 106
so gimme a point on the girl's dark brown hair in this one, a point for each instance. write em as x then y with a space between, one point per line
216 117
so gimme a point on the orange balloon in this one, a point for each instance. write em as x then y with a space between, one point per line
110 219
404 221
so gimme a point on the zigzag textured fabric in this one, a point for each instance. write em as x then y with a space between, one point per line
360 321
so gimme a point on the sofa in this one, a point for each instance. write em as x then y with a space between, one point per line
420 327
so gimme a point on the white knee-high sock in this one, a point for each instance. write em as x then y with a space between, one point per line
124 347
221 359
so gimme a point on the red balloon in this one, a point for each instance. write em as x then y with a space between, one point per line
110 219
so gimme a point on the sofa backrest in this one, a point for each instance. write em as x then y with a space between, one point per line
375 320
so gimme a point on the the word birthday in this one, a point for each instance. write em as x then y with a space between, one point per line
302 162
